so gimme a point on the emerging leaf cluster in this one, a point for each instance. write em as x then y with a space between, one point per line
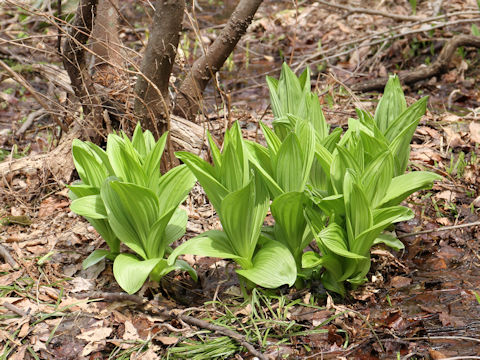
123 196
340 190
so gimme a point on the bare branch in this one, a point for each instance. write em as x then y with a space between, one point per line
351 9
191 90
439 66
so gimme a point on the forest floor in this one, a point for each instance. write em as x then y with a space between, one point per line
421 303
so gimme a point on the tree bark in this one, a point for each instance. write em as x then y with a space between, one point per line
104 39
106 44
190 92
74 59
152 102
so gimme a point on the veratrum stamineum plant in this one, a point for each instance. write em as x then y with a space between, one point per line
356 182
123 195
241 201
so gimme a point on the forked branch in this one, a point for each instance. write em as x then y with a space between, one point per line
191 90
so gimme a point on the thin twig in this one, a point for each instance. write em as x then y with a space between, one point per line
14 309
224 331
112 297
371 11
389 37
440 65
7 257
463 338
32 91
445 228
29 121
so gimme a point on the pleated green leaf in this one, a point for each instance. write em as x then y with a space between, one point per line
132 211
404 185
123 162
334 239
89 165
174 187
131 273
242 213
377 177
391 105
204 172
90 206
287 210
273 266
288 165
213 243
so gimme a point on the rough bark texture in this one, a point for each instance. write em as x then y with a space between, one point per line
74 59
104 40
152 102
438 67
190 93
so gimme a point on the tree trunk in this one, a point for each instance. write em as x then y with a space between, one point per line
106 44
191 90
104 39
152 102
75 63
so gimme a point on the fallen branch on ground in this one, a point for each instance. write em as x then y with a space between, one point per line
453 227
111 297
14 309
438 67
224 331
351 9
7 257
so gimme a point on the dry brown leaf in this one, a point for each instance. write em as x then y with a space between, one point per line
446 195
443 221
95 334
167 340
425 154
346 29
9 279
453 138
146 355
475 132
131 332
91 347
19 354
400 281
80 284
436 355
24 329
50 205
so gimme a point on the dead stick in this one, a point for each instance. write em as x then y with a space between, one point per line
453 227
112 297
14 309
32 91
371 12
30 119
7 257
224 331
439 66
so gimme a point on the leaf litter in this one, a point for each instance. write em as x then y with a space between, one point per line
422 302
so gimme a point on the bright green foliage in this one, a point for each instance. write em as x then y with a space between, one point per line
356 181
123 195
341 190
241 201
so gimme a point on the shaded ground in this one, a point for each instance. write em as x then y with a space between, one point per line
423 303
